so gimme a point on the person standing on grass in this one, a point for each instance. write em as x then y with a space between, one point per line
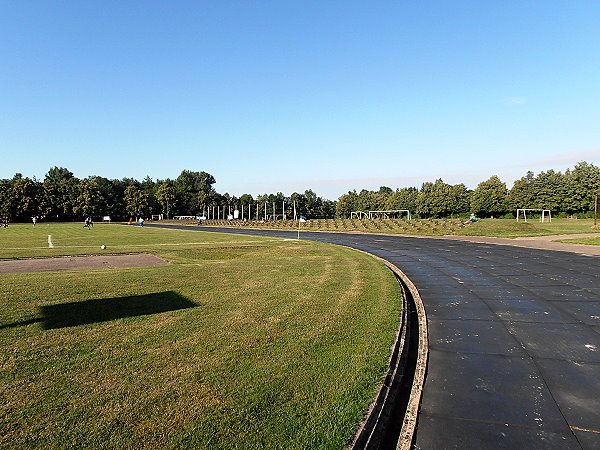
34 220
88 221
141 221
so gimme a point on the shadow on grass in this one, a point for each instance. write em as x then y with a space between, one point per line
104 309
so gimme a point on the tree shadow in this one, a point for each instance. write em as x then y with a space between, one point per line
66 315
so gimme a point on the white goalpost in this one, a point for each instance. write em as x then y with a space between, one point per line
376 214
358 214
545 212
386 214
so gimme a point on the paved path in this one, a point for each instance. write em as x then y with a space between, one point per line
514 356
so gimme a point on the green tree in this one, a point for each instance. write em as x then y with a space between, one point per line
489 198
22 198
582 185
550 188
89 201
314 204
299 201
522 193
329 208
5 203
137 202
58 196
165 195
440 199
366 200
405 198
187 185
346 204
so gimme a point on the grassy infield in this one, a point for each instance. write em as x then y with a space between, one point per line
282 345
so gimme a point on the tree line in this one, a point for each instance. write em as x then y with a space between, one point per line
63 197
568 193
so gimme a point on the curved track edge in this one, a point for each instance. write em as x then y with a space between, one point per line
391 419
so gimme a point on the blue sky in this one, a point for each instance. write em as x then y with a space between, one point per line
283 96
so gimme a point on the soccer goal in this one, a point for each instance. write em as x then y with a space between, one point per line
545 213
389 214
358 214
157 217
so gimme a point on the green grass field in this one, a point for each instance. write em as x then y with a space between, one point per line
585 241
242 342
510 228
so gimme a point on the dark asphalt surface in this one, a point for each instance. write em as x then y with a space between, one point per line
514 340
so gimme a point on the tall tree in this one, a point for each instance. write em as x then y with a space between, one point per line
23 198
522 193
489 198
58 194
136 201
440 199
346 204
582 185
313 204
165 195
89 201
405 198
188 184
550 188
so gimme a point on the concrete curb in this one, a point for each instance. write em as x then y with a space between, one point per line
377 427
412 410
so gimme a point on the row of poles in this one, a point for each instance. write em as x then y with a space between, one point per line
218 212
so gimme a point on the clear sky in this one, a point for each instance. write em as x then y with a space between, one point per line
284 95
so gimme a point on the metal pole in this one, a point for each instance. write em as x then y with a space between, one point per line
596 212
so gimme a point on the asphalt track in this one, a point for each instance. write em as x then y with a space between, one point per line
514 340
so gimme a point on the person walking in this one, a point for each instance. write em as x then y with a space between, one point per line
34 220
141 221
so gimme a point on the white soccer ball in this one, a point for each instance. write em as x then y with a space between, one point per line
103 247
